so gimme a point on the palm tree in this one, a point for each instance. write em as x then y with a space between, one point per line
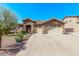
8 21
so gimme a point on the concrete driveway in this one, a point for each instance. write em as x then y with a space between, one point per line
52 44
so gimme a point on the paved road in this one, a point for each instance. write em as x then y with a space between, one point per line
52 44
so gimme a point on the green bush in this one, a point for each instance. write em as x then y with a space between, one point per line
19 36
18 39
23 31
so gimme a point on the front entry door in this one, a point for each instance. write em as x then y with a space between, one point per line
28 28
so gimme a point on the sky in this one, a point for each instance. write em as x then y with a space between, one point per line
44 11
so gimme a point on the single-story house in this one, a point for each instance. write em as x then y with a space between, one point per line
31 26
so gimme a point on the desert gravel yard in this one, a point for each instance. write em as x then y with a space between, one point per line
52 44
9 42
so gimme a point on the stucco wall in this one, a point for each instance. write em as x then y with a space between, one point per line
72 23
33 29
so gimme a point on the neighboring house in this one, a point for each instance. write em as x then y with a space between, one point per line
71 24
19 26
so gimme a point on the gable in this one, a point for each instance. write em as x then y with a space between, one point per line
53 21
28 21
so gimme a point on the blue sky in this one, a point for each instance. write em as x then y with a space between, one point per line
44 11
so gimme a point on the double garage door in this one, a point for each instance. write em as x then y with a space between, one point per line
69 30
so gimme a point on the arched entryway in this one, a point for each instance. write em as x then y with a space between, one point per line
28 28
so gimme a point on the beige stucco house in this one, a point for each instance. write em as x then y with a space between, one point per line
31 26
71 24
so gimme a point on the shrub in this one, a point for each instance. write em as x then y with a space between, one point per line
18 39
23 31
19 36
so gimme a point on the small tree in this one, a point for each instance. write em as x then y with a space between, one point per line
8 21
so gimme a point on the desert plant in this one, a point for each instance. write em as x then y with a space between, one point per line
18 39
24 32
8 21
19 36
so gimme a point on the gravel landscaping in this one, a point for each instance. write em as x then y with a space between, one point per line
9 43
